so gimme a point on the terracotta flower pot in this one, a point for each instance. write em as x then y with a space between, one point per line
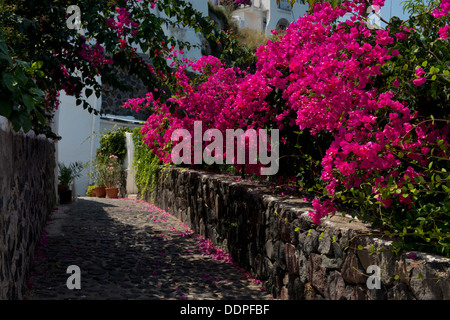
65 196
112 192
100 192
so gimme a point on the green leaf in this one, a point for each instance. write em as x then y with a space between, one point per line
28 102
37 65
5 108
9 81
40 118
425 63
419 179
36 92
88 92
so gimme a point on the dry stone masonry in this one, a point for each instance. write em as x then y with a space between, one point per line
273 237
27 195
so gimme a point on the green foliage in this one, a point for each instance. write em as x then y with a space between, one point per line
110 154
97 171
21 100
90 190
425 224
228 43
113 142
68 173
113 173
146 164
36 41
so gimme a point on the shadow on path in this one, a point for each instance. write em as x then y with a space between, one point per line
130 250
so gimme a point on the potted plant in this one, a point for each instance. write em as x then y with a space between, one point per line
66 176
91 191
97 173
113 174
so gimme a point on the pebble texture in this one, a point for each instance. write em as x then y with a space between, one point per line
128 249
273 237
27 195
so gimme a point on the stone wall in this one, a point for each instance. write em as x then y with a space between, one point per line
113 99
273 238
27 195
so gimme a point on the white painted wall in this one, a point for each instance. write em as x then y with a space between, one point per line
77 126
188 34
128 164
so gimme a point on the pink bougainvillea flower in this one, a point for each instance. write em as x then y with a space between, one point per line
419 72
420 81
444 32
396 83
442 10
401 36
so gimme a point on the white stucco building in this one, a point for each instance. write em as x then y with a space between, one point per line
267 15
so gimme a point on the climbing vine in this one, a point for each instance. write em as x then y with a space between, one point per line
146 166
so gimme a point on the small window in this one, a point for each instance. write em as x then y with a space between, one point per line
285 5
282 24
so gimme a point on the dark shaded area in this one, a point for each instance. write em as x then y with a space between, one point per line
122 254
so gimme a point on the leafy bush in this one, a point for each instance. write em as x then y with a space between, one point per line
146 165
363 114
113 172
112 142
90 190
72 61
21 100
68 173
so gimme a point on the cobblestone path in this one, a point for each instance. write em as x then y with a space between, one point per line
128 249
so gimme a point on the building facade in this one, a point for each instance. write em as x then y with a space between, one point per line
267 15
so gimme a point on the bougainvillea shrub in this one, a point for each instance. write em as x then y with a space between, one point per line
362 112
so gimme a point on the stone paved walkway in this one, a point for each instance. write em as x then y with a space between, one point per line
127 249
